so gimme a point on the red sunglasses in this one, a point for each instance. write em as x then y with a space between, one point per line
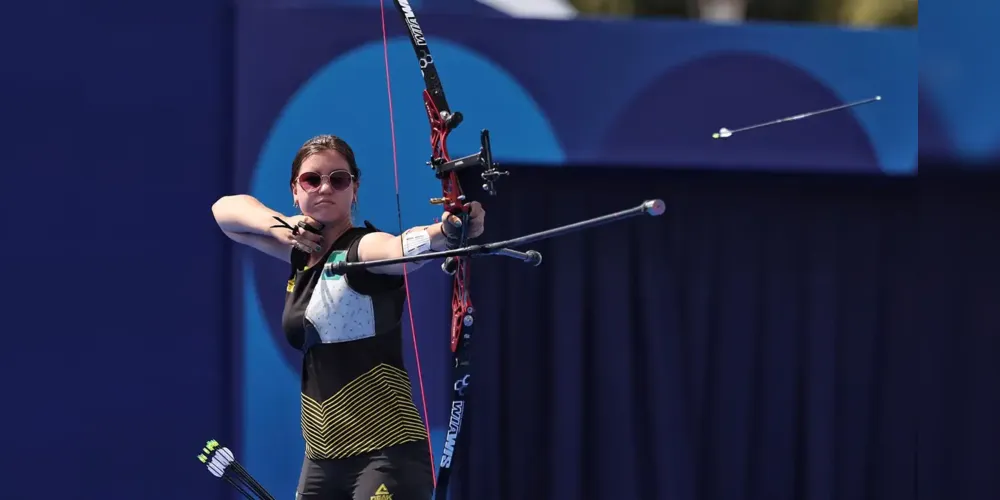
339 180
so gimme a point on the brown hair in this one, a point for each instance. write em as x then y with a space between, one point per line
322 143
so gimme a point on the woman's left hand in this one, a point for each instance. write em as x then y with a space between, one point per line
475 221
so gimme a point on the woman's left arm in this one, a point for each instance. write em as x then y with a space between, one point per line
415 241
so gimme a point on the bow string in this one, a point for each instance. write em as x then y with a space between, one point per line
443 121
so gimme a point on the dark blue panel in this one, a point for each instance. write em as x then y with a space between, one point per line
115 143
767 338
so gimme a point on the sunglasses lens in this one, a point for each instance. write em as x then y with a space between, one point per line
340 180
310 180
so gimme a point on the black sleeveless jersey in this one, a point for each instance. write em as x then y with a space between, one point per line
356 395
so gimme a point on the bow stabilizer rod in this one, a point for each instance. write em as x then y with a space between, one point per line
650 207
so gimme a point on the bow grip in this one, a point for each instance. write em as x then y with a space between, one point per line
456 234
456 237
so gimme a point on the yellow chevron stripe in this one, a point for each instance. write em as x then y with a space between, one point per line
389 436
366 425
361 383
366 442
326 416
325 434
387 431
373 380
370 425
381 393
364 445
373 411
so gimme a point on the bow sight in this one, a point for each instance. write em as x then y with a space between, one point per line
482 159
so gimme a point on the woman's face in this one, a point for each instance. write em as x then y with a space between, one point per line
324 188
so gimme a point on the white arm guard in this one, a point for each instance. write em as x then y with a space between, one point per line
416 242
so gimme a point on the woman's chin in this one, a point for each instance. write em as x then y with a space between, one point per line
327 214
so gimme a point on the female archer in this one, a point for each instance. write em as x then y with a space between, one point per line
363 434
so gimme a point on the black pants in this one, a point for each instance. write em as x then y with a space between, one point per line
402 471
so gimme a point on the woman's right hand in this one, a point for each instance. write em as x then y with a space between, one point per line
306 241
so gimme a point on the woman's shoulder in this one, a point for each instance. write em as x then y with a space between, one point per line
369 228
353 235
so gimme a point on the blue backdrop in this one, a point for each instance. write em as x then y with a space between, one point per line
117 354
136 332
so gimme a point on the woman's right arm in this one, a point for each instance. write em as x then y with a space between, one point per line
246 220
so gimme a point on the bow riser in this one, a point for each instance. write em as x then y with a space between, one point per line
452 196
453 201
